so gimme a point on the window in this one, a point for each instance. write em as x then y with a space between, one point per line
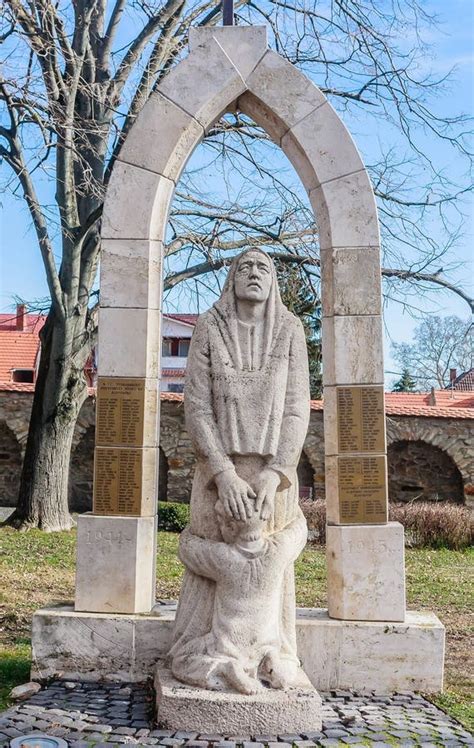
23 375
176 388
183 349
166 347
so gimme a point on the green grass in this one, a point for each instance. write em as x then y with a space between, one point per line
14 669
37 569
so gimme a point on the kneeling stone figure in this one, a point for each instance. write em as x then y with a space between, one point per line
243 647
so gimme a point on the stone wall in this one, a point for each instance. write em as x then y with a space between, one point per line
428 456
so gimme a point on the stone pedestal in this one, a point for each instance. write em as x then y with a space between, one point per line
358 655
115 569
366 572
183 707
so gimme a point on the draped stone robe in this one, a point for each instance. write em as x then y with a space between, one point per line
247 407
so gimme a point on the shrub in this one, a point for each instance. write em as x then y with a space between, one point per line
434 525
315 513
427 524
172 516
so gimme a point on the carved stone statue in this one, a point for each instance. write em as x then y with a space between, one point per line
247 411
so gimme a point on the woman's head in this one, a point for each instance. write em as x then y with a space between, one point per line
253 276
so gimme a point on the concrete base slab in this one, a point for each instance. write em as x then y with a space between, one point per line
183 707
353 655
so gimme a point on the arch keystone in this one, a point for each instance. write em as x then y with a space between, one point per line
244 46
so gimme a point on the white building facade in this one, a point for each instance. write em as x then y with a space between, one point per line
177 330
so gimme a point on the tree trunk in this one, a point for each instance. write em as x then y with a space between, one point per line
59 394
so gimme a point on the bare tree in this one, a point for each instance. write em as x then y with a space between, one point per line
75 78
439 344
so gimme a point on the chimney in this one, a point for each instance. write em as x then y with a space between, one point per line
453 375
432 397
20 317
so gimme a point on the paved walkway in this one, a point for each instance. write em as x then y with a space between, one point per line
86 714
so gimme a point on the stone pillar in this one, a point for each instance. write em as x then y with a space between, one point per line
365 553
116 544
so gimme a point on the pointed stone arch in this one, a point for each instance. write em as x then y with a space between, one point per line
229 68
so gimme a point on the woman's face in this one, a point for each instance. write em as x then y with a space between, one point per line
253 277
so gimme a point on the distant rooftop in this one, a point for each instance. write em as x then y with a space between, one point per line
463 383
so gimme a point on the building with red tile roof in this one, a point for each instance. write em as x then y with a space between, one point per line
464 382
19 346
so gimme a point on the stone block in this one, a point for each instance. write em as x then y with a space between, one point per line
366 572
253 107
131 273
351 281
115 568
346 212
204 84
180 706
352 349
86 646
244 46
354 655
142 218
162 138
129 342
372 656
321 148
274 75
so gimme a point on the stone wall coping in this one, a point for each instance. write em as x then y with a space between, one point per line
396 403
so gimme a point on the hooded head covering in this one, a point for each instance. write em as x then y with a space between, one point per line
225 313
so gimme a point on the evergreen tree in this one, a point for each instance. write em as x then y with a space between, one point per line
406 383
299 296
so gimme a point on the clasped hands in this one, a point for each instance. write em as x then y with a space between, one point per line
240 500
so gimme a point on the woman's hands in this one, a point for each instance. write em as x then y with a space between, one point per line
266 487
236 495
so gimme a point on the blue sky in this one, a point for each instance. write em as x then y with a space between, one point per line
21 270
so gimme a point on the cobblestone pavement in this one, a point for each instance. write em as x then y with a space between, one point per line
87 714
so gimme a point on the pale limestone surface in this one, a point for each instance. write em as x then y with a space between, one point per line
243 46
320 148
372 655
129 342
205 83
357 655
351 281
144 217
289 711
346 212
115 566
366 570
352 349
161 121
284 90
131 273
247 407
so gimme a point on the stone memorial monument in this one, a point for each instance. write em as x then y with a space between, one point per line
246 412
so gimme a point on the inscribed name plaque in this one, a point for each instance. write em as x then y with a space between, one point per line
118 481
362 489
120 412
360 419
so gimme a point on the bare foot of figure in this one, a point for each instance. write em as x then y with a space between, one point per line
238 679
279 673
